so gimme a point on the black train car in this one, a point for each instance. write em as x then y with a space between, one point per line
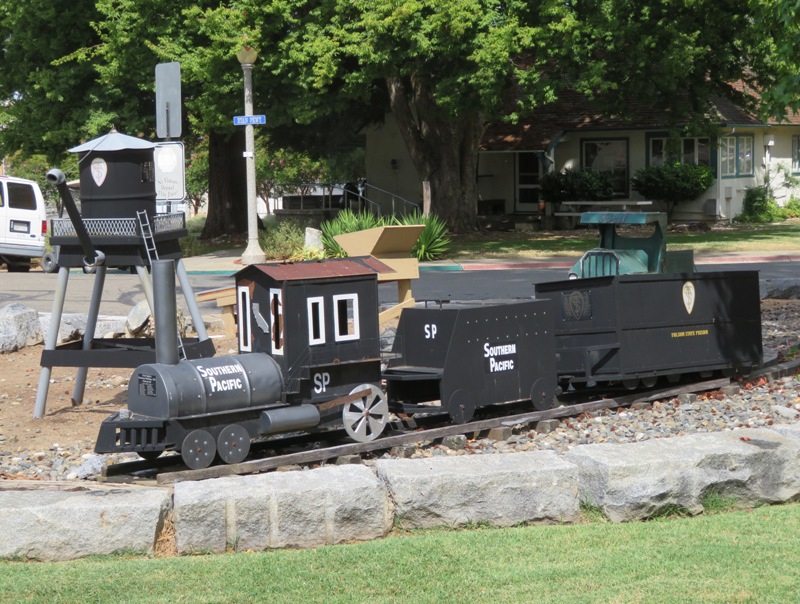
634 328
469 355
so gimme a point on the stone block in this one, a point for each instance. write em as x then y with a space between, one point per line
502 489
45 522
638 480
19 327
287 509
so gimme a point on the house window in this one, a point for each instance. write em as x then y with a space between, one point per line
345 317
736 155
796 153
243 317
689 151
610 156
316 321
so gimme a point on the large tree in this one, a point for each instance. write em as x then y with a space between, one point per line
446 69
43 106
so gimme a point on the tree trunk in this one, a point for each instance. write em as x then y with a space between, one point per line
227 186
443 148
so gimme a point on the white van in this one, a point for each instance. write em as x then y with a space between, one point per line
23 223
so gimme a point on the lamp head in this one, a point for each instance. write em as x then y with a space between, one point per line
247 55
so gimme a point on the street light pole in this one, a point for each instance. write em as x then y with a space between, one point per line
253 254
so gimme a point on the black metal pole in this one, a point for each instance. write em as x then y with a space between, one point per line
92 256
166 309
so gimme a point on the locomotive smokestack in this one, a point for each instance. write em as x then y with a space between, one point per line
92 257
165 312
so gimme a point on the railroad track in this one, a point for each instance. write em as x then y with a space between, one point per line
167 476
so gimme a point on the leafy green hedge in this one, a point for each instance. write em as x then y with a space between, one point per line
672 183
571 185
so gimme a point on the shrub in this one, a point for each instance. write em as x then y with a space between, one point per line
570 185
672 183
434 241
792 208
345 222
759 206
283 240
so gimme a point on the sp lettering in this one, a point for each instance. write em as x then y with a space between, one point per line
321 382
430 331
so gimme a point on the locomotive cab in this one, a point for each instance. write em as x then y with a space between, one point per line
317 320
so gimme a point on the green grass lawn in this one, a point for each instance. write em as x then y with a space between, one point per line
746 556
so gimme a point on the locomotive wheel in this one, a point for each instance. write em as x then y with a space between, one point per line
365 418
233 443
149 455
461 406
198 449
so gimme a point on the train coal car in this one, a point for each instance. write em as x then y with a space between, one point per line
635 328
471 355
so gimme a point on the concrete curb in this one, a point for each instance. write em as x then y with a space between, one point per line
337 504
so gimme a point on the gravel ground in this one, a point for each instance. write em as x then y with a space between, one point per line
757 404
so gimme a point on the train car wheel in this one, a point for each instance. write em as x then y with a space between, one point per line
233 443
649 381
543 394
198 449
365 418
631 384
461 406
149 455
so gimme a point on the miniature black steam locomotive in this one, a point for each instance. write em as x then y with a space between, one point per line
311 357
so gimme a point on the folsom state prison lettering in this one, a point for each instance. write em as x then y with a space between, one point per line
218 380
501 357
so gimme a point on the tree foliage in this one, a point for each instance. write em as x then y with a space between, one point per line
69 71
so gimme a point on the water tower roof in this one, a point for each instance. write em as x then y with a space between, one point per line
113 141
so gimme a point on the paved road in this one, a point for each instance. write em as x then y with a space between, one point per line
122 290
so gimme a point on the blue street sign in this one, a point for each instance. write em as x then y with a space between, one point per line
246 120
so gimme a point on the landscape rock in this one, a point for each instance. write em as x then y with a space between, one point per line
19 327
285 509
313 240
639 480
502 490
138 320
779 289
40 521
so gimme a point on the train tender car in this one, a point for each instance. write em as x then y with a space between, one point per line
308 334
634 328
472 355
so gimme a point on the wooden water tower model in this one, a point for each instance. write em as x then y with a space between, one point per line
117 227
